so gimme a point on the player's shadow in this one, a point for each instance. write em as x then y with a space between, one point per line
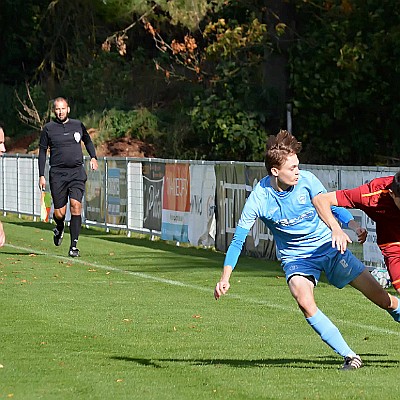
313 363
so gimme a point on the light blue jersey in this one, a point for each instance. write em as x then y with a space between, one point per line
290 215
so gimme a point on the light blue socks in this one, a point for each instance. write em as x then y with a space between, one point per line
329 333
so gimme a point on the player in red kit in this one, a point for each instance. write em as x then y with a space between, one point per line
380 200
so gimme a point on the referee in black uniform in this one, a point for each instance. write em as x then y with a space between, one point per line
67 175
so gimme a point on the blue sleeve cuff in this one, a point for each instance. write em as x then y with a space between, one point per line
344 216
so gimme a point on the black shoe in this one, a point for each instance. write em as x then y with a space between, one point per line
58 236
73 252
353 362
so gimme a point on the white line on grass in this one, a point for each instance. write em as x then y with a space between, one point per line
200 288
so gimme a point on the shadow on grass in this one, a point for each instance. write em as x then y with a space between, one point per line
315 363
12 253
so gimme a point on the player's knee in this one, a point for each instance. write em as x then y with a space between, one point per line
307 306
59 213
76 207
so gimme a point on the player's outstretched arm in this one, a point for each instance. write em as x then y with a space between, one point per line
322 203
223 285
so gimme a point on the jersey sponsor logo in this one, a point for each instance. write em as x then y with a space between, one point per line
77 137
302 199
308 215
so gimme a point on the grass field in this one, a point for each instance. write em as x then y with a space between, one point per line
136 319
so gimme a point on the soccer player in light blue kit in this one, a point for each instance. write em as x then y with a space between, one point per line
283 200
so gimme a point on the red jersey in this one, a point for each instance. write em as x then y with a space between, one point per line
374 199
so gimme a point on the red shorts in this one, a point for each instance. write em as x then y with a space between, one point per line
391 255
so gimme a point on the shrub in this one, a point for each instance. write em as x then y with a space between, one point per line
140 124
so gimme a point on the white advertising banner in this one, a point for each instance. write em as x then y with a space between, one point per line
202 222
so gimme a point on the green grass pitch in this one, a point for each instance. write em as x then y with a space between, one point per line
136 319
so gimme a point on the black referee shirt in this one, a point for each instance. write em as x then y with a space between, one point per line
64 141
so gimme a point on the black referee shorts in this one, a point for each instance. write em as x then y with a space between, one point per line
67 182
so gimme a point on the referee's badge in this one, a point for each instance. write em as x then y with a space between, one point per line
77 137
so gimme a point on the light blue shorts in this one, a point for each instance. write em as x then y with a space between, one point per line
340 269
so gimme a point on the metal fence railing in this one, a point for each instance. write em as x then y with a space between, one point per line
185 201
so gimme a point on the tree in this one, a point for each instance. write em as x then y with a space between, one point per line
224 57
344 79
